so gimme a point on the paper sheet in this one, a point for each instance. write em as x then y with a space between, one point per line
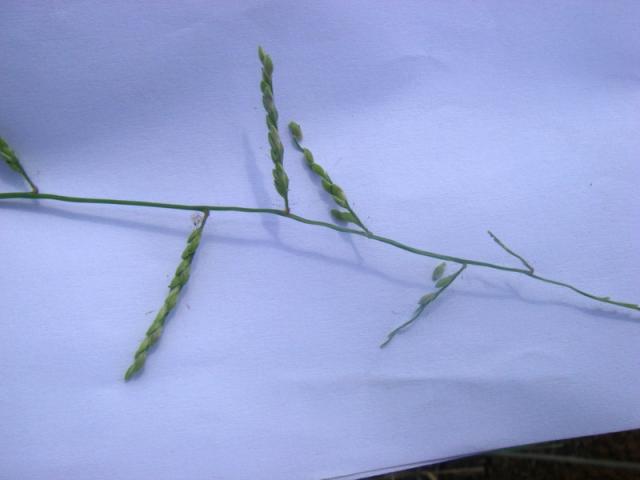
440 120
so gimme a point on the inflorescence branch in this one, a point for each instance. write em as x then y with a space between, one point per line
280 178
179 280
441 284
511 252
338 195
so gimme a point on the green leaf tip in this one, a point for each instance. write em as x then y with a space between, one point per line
438 271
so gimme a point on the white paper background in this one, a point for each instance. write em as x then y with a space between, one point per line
439 119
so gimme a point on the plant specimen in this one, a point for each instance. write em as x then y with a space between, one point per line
343 215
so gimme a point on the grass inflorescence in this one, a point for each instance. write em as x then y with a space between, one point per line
343 214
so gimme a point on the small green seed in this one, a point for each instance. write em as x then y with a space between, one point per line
443 282
280 180
318 170
336 191
266 89
296 131
340 201
268 64
438 271
427 298
272 117
308 156
343 216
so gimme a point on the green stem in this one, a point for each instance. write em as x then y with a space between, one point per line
281 213
357 219
511 252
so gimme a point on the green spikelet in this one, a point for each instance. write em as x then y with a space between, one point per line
444 282
343 216
438 271
178 282
296 131
427 298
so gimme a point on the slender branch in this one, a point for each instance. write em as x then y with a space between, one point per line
511 252
421 308
23 172
334 190
417 312
281 213
359 222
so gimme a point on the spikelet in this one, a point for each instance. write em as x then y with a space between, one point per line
438 271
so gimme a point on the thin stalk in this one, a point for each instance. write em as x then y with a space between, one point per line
297 218
366 230
34 188
511 252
